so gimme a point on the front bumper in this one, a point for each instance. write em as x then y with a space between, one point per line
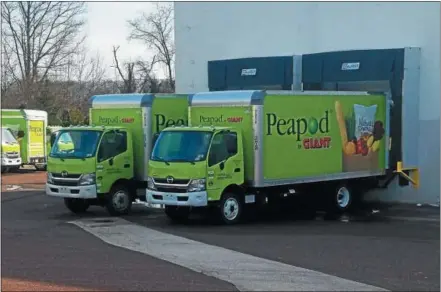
8 162
79 192
40 161
193 199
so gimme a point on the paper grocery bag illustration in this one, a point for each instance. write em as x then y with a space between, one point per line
361 137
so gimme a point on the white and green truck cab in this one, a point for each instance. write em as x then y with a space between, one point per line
11 159
254 146
105 164
29 127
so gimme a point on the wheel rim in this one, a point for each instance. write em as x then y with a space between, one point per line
231 209
343 197
120 200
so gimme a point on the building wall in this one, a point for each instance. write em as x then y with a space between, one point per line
222 30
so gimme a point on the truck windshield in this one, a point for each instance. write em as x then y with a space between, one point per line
75 144
181 146
8 137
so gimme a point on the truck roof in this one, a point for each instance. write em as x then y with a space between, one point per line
90 128
197 128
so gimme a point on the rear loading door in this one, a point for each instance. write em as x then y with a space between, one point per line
36 139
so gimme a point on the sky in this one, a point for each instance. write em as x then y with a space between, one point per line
107 26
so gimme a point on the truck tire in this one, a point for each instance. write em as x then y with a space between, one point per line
177 214
14 169
76 206
119 201
4 169
341 198
230 209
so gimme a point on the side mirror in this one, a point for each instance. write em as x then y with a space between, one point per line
20 134
111 161
222 165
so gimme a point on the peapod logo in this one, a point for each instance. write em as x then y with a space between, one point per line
36 130
115 120
303 129
219 119
163 122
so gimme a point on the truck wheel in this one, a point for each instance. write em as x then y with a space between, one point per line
119 201
4 169
76 206
177 214
14 169
341 198
230 209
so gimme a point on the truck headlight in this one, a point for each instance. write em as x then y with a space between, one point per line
49 178
150 183
87 179
197 185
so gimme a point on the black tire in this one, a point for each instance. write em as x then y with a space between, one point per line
14 169
119 201
230 209
340 198
4 169
76 206
177 214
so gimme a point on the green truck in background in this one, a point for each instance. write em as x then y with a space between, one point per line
246 147
11 159
29 127
106 163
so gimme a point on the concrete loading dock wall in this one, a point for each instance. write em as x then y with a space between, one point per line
218 31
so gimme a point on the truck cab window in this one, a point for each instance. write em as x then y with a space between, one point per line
231 143
218 150
112 144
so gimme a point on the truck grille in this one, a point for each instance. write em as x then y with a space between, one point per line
12 155
171 190
176 181
58 175
65 183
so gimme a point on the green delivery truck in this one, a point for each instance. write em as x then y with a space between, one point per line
29 127
10 151
105 163
254 146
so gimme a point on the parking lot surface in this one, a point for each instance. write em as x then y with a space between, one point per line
43 244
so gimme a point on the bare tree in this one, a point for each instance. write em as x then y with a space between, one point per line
136 76
156 31
39 38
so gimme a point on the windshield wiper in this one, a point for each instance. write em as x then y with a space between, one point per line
183 160
157 158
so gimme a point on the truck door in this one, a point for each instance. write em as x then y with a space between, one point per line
225 166
36 141
114 160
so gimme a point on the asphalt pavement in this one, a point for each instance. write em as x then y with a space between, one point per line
39 244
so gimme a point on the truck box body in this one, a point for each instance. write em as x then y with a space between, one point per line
144 115
33 123
300 137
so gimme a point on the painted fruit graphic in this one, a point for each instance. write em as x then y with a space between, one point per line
313 126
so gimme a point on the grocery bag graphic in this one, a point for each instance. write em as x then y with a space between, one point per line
361 136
